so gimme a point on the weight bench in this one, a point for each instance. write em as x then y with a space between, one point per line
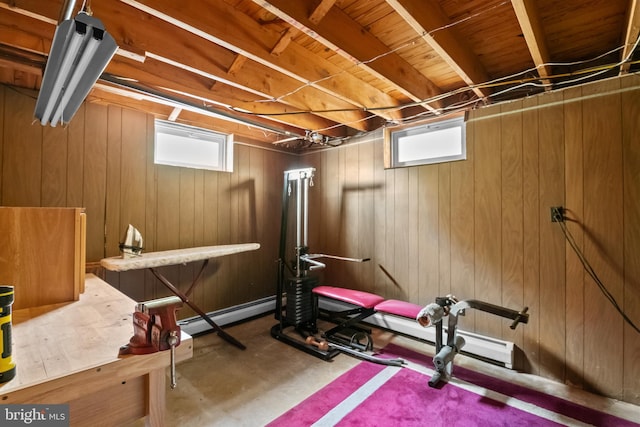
346 335
366 304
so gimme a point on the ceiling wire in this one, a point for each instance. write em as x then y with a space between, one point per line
498 82
410 42
519 83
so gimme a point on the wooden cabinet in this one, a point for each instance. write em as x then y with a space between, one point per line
42 254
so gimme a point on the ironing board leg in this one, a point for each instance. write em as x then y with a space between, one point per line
185 299
195 281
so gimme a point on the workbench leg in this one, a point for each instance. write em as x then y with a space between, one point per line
156 394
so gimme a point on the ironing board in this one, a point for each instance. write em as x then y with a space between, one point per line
152 260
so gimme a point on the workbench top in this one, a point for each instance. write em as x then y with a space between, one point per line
61 345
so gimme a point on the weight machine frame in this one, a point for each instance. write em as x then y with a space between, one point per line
301 310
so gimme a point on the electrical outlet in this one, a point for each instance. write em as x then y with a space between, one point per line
557 214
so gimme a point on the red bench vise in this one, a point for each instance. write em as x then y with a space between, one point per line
154 325
155 329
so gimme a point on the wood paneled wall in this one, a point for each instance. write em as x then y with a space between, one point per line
481 228
478 228
103 161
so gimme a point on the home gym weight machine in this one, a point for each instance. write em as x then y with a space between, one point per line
297 319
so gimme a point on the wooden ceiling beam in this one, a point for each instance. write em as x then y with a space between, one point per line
631 33
190 28
154 74
321 10
529 21
256 42
150 37
428 20
107 95
141 32
347 38
25 32
236 64
283 42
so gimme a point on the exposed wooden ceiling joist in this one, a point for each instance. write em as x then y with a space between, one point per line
273 70
187 50
428 20
321 10
527 13
154 73
238 33
631 33
342 34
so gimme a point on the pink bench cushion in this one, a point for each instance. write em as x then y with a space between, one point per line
362 299
399 308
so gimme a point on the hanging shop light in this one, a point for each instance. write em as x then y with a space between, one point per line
80 52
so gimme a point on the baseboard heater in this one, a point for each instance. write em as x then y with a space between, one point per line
226 316
486 348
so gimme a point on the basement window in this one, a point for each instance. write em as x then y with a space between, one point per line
192 147
433 142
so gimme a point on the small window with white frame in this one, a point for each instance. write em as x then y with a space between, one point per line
430 142
192 147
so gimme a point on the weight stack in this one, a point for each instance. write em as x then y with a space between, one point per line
300 307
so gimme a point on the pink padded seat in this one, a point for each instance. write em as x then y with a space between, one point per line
399 308
362 299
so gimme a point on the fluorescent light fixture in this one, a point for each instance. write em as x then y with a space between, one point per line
80 52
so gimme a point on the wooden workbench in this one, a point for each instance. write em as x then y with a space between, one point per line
68 353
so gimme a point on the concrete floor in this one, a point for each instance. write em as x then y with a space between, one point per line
224 386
